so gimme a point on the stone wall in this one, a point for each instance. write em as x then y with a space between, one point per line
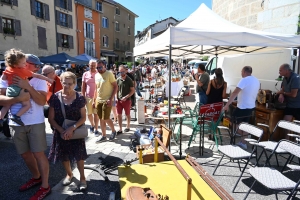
280 16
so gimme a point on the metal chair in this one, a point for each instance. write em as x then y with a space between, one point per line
270 145
176 100
273 179
235 152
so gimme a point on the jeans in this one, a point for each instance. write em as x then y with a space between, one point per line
137 88
202 97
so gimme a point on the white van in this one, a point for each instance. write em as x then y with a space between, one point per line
265 67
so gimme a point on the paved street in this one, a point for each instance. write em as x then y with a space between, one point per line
14 172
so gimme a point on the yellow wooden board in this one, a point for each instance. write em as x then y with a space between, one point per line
165 179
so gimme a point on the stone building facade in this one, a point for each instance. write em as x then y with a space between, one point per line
279 16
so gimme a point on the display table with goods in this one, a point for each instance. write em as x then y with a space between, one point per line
192 181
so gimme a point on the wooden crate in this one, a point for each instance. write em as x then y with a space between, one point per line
148 155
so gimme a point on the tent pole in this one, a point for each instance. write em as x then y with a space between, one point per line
134 119
170 79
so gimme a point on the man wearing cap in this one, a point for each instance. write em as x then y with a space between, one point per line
106 89
58 70
30 140
87 90
56 86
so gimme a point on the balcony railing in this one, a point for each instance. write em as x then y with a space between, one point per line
120 47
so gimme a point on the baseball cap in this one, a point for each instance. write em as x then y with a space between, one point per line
126 67
33 59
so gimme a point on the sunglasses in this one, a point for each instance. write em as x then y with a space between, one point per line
35 65
67 84
122 72
100 68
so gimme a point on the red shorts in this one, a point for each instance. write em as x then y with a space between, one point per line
126 105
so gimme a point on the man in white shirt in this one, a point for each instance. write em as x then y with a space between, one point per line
246 91
30 140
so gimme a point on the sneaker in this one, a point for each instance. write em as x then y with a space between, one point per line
112 135
101 139
41 193
32 182
92 129
97 133
242 145
17 119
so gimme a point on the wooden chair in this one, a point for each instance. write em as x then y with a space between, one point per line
148 151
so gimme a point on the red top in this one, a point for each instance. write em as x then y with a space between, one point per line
57 86
10 72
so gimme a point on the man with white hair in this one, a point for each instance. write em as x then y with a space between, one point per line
56 86
87 90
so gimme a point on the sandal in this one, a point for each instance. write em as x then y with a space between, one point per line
119 132
126 130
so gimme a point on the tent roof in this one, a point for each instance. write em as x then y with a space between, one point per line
85 57
205 32
62 58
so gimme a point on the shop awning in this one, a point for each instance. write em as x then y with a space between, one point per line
108 53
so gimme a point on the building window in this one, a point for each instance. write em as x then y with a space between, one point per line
105 41
89 30
99 6
89 48
128 46
10 2
65 41
104 22
7 25
6 1
117 11
39 10
128 30
117 26
63 18
88 13
129 17
117 43
63 4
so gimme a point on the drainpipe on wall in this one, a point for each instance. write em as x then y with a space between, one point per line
55 20
77 31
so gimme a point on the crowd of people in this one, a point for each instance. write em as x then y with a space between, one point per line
24 93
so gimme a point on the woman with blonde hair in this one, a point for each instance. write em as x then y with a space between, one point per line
63 148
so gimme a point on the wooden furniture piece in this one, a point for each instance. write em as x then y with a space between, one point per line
148 151
183 179
269 117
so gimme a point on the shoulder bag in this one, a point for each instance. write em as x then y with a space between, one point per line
80 132
46 107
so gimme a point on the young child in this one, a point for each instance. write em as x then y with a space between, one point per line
15 61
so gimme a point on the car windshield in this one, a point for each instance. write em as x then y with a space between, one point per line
197 64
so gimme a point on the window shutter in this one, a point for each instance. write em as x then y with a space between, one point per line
32 5
1 30
42 40
93 31
15 2
18 27
70 22
107 23
93 51
57 3
59 39
70 41
84 28
46 11
70 5
57 18
85 49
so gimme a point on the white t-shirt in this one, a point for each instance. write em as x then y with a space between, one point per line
35 114
247 96
153 72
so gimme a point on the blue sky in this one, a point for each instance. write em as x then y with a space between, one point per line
151 10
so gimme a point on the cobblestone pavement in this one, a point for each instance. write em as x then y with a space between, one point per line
15 173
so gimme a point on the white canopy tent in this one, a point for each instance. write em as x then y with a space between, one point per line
205 32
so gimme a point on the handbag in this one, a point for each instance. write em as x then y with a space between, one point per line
46 107
80 132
